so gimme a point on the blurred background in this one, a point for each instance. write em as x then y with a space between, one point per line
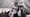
9 3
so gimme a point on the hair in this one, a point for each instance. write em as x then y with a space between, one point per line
27 13
16 3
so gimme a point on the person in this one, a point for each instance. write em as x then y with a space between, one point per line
17 9
22 12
